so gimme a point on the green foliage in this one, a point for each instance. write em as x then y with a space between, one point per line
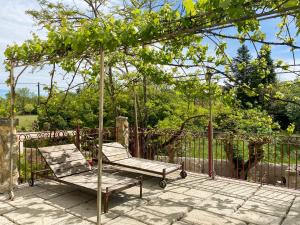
75 38
67 111
247 121
254 78
28 108
4 108
291 128
25 101
189 6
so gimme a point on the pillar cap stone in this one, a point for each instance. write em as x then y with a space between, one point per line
122 117
6 122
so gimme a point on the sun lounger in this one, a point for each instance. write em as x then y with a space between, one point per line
116 154
69 166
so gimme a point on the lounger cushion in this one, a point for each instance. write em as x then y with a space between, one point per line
114 151
148 165
64 160
89 180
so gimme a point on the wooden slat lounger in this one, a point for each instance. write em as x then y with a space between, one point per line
69 166
116 154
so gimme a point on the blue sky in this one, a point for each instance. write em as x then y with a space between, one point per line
16 26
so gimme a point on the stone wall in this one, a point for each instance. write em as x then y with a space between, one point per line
5 155
122 130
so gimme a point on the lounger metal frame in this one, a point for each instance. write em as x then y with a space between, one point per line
106 194
163 173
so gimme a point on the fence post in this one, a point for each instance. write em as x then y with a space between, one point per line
122 131
211 171
5 134
77 141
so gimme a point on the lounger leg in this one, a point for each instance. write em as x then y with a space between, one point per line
183 173
163 182
31 180
106 195
164 174
141 186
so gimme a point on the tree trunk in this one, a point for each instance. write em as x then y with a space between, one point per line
239 167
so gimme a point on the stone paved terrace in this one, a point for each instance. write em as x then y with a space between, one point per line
194 200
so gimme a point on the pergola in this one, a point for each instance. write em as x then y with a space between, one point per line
172 30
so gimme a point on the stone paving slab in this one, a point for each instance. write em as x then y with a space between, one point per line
38 214
4 221
25 190
296 205
198 217
4 197
275 194
221 204
124 221
55 186
48 195
293 218
191 181
239 190
49 184
75 221
257 217
159 212
181 199
88 211
117 206
21 202
270 209
196 193
5 207
194 200
71 199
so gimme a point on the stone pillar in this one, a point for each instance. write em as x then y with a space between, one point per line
5 155
122 130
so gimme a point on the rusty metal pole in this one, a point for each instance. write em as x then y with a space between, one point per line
101 99
211 172
12 118
78 137
136 130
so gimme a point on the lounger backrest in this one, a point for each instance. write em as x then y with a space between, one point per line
64 160
114 151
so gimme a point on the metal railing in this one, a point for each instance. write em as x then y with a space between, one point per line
266 159
263 159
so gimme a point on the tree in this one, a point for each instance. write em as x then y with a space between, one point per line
25 97
148 47
293 110
264 77
28 108
243 72
4 107
254 78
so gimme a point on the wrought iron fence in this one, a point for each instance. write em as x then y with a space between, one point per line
270 160
264 159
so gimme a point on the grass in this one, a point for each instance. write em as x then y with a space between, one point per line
26 122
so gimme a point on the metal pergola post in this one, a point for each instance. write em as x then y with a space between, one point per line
101 99
12 117
211 169
136 130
